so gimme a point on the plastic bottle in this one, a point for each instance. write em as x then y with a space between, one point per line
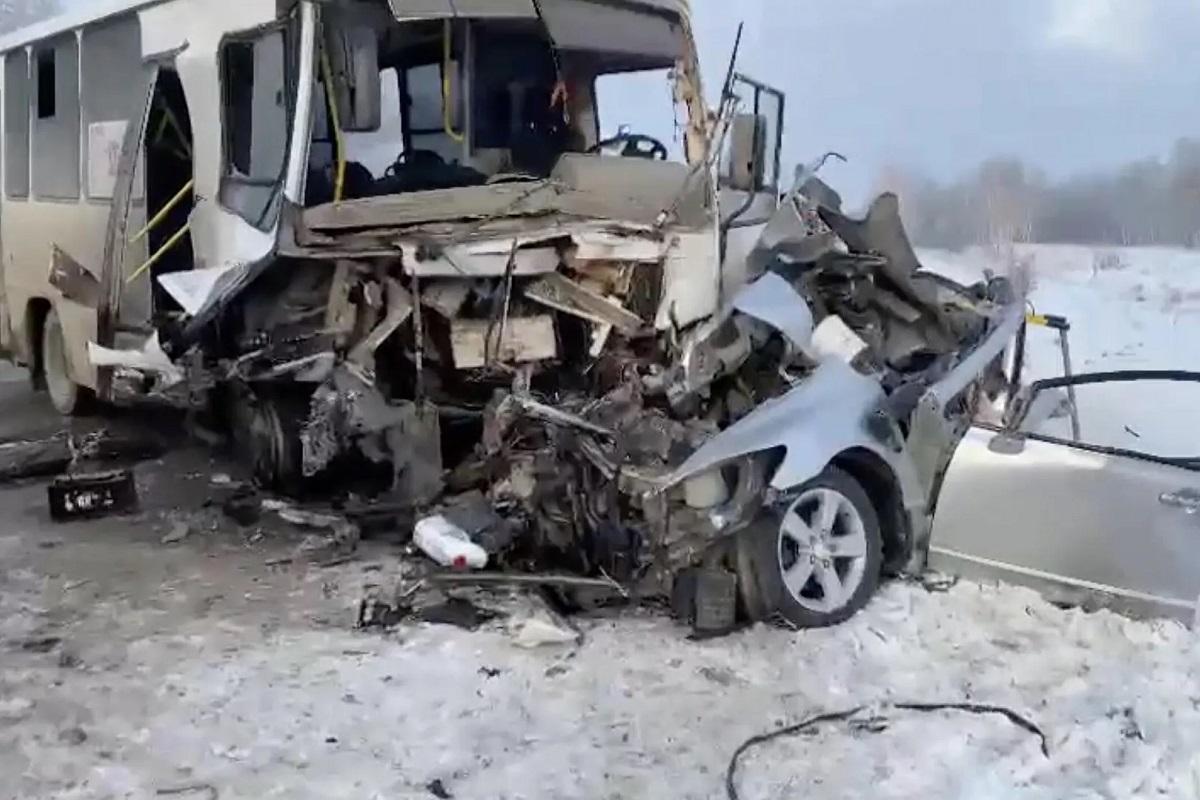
448 545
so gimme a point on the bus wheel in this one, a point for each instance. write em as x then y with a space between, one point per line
67 396
266 430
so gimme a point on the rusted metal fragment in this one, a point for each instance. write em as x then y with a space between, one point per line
73 279
92 495
475 343
561 293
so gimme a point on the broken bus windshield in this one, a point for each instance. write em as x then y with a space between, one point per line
465 103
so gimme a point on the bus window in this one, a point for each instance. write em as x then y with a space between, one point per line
16 124
639 103
256 122
56 145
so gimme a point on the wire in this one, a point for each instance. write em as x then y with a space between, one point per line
874 726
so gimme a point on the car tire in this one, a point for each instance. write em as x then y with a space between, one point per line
816 557
68 397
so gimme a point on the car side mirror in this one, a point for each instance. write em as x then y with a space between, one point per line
747 153
1007 444
357 86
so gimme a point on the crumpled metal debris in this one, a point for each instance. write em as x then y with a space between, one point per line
347 414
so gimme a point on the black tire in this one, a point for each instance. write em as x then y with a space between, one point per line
266 436
764 552
69 398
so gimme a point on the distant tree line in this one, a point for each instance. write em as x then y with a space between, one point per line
1148 202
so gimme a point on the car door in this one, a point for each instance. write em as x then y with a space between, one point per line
1111 519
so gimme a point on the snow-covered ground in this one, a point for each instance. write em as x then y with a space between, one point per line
258 708
133 670
1130 309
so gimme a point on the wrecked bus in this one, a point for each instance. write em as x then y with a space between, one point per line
397 242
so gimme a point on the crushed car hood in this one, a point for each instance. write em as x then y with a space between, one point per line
812 422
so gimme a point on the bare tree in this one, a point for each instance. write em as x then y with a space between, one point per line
1008 200
1147 202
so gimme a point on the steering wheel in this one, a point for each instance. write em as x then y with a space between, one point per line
636 145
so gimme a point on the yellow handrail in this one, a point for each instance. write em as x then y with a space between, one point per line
162 251
339 181
161 215
447 109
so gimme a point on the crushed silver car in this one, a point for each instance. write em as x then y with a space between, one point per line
789 457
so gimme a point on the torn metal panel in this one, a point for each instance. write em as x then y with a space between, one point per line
561 293
825 415
712 350
446 297
970 368
581 187
612 246
477 343
400 308
882 232
71 278
462 204
466 261
834 339
192 288
691 281
150 359
772 300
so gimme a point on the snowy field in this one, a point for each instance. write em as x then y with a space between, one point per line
129 669
259 710
1130 309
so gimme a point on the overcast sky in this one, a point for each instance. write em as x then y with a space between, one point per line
939 85
1069 85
